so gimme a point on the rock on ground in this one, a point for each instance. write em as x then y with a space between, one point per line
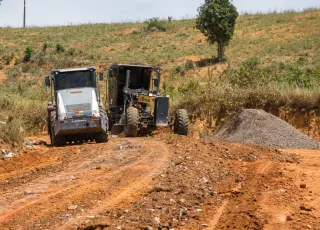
259 127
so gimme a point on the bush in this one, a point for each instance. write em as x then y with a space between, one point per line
189 65
251 86
71 52
1 66
167 89
190 88
25 68
8 59
154 24
27 54
60 48
12 131
44 48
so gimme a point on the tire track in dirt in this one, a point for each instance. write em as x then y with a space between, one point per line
215 220
262 167
125 179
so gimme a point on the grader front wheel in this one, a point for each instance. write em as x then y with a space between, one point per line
131 122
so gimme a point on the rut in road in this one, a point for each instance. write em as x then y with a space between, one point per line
90 177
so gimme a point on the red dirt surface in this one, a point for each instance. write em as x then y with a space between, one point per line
163 181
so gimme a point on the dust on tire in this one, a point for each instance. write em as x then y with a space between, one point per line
181 124
131 122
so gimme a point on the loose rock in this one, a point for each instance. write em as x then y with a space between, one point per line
259 127
72 207
303 186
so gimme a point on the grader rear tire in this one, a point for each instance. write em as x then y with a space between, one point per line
181 123
131 122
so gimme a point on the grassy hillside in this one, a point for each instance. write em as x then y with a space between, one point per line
272 60
271 37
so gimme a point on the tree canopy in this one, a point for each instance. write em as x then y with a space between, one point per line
216 20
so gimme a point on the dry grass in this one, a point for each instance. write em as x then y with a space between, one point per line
179 50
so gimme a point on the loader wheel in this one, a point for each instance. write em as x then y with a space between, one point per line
102 138
131 122
59 141
181 123
51 119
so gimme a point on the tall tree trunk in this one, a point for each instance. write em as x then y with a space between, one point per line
220 51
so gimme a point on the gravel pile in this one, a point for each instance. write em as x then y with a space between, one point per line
259 127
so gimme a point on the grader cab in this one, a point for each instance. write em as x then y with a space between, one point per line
134 101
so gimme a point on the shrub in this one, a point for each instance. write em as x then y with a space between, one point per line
1 66
167 89
27 54
12 131
298 77
154 24
71 52
189 88
44 48
25 68
8 59
60 48
189 65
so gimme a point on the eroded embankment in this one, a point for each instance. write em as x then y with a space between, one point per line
305 120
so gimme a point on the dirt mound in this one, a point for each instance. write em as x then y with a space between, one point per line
258 127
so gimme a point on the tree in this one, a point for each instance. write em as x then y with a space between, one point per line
217 20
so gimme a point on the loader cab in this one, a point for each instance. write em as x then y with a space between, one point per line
74 78
75 113
74 92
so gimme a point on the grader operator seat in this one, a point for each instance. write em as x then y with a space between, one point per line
139 79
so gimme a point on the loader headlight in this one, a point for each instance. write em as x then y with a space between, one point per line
63 116
95 113
150 94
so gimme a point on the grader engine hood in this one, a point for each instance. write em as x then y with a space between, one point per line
73 103
158 108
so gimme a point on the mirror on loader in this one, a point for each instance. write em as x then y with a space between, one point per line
47 81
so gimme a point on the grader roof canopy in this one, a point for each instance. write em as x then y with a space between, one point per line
126 65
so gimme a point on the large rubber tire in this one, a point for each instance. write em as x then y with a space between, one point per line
103 137
181 122
56 140
51 117
131 122
59 141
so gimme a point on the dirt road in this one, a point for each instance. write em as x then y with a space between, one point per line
60 187
161 182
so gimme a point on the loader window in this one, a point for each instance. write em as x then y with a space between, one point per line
80 79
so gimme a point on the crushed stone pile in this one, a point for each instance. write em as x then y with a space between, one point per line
259 127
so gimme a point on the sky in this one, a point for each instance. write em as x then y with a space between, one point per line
66 12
